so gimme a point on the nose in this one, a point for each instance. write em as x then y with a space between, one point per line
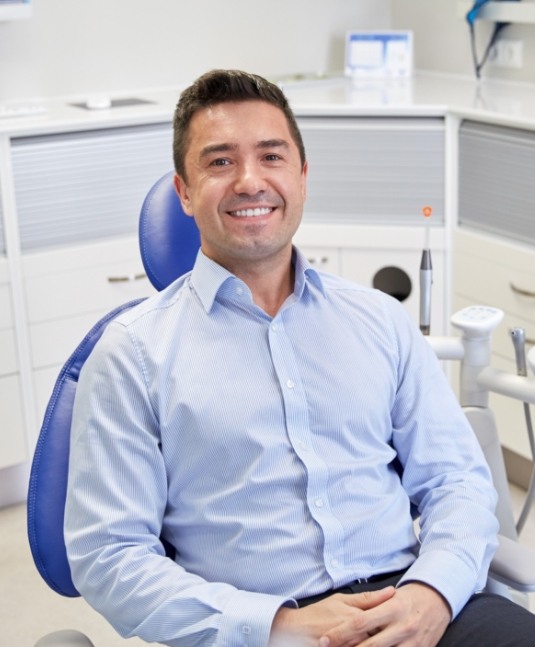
250 179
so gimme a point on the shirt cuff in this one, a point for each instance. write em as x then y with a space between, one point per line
446 573
247 618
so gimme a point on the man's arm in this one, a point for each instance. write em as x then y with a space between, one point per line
116 502
444 474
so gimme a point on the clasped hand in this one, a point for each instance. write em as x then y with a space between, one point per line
414 615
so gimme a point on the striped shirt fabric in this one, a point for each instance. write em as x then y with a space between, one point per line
281 456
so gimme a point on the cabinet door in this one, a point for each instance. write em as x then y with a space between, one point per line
374 171
13 445
496 188
78 187
501 274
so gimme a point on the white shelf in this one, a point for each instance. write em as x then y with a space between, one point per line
517 12
15 10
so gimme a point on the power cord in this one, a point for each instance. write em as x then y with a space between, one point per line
471 18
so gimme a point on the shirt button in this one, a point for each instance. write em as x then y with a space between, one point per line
274 327
303 446
239 290
319 503
334 562
290 384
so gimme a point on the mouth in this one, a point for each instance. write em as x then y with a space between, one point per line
252 213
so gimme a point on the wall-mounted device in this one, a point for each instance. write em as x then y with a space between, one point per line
372 54
471 17
15 9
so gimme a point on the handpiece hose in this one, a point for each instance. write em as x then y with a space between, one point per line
518 336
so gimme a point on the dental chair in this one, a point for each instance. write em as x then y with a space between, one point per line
169 241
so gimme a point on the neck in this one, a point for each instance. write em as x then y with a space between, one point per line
270 284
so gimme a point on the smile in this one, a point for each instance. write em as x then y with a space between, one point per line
252 213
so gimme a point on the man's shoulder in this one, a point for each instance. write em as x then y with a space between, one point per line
155 304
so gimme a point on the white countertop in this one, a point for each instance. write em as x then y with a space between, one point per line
425 95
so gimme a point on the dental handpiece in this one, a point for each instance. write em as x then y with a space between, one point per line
426 278
518 335
426 281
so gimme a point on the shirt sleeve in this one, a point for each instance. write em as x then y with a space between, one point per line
444 473
116 501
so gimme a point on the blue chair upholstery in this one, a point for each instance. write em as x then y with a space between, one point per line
169 242
168 239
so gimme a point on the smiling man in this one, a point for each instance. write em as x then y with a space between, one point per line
278 426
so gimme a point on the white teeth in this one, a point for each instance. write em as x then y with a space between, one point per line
251 213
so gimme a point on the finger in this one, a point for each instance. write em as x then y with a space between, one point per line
369 599
346 634
362 625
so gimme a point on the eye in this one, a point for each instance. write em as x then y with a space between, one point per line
220 161
272 157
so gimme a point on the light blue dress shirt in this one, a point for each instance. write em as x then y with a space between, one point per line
281 456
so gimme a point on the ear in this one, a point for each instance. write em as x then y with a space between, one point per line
183 193
304 180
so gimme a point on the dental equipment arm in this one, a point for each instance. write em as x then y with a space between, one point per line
513 564
518 335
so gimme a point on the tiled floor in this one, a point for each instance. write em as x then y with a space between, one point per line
28 609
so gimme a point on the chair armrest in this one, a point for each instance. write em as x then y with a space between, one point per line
514 565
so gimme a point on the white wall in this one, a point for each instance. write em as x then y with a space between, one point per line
76 47
442 42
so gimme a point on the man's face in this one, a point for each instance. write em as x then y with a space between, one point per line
245 182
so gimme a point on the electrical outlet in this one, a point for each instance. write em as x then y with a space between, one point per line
507 54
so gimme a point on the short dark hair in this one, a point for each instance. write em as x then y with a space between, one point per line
224 86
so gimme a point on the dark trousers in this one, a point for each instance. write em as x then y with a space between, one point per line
487 620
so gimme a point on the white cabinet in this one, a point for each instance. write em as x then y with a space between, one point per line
72 201
387 258
499 273
495 247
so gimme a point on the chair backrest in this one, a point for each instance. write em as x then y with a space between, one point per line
169 242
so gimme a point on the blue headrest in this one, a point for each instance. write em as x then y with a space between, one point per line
168 239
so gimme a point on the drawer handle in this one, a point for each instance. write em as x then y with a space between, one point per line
524 293
127 279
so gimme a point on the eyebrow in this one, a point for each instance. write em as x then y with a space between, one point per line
225 148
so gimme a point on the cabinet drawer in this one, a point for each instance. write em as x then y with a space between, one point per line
495 274
89 290
53 342
6 312
93 281
326 259
8 353
13 445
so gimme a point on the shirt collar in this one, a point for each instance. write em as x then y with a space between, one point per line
208 277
